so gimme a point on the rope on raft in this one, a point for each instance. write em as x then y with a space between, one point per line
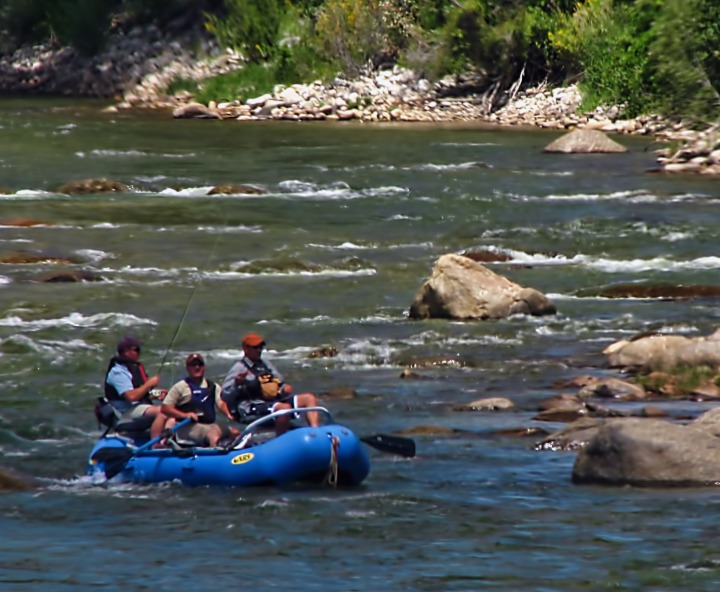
331 478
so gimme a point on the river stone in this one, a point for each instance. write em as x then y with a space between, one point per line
585 141
22 222
665 352
235 189
86 186
11 480
22 258
327 351
69 276
573 436
487 404
463 289
650 453
195 111
664 291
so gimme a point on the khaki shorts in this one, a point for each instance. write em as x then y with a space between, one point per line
136 411
198 432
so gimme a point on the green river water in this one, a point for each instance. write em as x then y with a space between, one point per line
352 219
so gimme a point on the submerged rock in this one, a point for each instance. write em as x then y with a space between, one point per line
23 258
69 276
659 291
22 222
11 480
234 189
86 186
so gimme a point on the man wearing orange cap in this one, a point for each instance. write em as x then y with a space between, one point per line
196 398
256 387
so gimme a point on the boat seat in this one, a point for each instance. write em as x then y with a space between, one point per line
177 443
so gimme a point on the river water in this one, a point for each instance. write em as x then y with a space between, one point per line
353 219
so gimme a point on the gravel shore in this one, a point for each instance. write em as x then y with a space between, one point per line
138 65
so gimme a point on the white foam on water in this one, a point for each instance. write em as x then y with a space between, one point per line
463 166
325 273
77 320
94 255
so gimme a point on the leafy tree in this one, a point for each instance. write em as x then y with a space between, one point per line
686 50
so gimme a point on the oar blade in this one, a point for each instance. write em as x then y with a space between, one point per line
113 460
391 444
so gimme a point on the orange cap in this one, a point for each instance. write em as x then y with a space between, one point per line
253 340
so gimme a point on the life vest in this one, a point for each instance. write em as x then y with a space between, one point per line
202 401
259 388
139 377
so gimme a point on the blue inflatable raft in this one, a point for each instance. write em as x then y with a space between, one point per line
331 453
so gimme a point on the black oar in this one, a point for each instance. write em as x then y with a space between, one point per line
392 444
116 459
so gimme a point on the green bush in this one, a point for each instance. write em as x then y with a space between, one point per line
607 42
24 21
253 80
160 11
355 32
83 24
256 79
686 52
250 26
432 14
647 55
503 41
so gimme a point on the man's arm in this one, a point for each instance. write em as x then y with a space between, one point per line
221 404
229 384
174 398
121 380
138 393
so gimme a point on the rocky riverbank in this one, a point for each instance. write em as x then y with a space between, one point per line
139 64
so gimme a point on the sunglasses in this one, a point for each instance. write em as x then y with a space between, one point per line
197 364
261 346
134 348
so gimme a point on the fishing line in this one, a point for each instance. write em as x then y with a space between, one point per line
192 296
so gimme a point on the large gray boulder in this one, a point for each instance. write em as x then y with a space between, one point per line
650 453
665 352
585 141
460 288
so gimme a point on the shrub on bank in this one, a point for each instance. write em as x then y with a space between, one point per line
250 26
649 56
82 24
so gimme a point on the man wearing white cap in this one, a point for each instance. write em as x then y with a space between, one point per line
196 398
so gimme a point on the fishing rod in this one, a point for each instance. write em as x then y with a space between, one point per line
189 302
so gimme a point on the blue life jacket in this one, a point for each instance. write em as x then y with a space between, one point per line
202 402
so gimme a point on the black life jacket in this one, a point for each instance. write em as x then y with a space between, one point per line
202 402
139 377
252 389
